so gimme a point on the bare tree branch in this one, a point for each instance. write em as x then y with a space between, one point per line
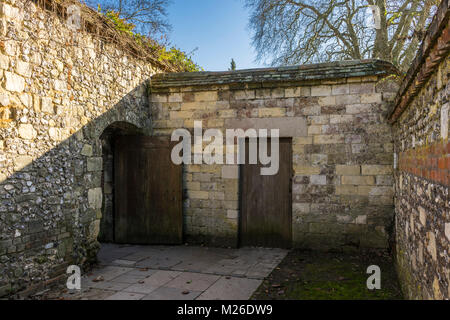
149 16
289 32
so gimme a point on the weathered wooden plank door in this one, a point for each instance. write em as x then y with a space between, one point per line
148 192
266 202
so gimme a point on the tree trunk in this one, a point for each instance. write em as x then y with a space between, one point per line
381 50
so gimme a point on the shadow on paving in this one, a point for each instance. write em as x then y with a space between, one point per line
307 275
127 272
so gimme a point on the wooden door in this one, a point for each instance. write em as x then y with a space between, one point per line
266 202
148 192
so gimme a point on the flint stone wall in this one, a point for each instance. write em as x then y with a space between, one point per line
59 90
422 203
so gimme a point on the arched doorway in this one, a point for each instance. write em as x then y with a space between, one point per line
108 139
142 188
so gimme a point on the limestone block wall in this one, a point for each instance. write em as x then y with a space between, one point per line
342 148
59 90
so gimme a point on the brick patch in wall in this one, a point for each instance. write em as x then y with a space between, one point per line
429 162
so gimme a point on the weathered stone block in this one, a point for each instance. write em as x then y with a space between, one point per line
362 88
230 172
358 180
288 127
375 191
361 219
216 196
336 119
371 98
346 190
159 98
55 134
181 115
385 180
23 69
338 89
198 194
297 92
349 99
4 99
327 101
277 93
4 62
9 11
431 247
376 169
87 150
329 139
358 108
47 105
318 91
95 198
175 97
94 164
422 216
192 106
305 170
271 112
311 111
22 163
14 82
206 96
27 132
318 179
302 141
315 129
232 214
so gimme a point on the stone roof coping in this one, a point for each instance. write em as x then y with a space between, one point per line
321 71
433 49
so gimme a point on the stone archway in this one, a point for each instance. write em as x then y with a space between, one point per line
108 138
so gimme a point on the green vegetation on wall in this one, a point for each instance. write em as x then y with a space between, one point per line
173 55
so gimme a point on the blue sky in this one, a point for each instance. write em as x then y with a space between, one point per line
218 28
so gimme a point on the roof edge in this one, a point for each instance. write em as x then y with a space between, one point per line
433 49
321 71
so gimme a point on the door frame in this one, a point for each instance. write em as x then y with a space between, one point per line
157 143
240 196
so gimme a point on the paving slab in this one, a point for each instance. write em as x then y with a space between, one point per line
109 285
125 296
165 293
231 288
193 281
153 282
87 294
130 272
108 272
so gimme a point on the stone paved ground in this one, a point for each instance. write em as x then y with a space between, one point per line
175 272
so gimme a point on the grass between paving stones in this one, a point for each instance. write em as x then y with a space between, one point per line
308 275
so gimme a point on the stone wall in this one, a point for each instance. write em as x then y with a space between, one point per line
342 147
59 90
420 118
